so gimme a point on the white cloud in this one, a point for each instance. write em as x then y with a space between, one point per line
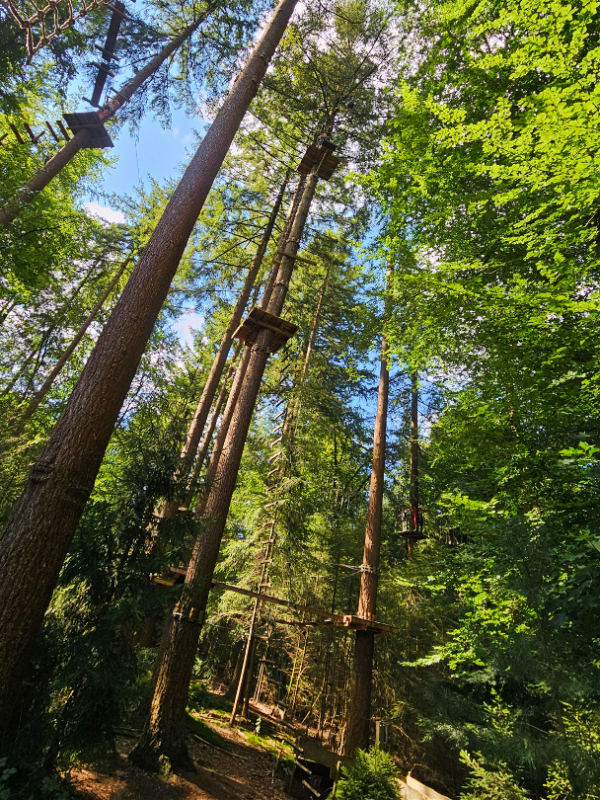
187 325
103 213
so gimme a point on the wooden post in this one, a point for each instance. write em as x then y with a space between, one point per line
246 674
45 518
243 674
359 706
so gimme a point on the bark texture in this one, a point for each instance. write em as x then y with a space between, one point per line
161 736
212 424
359 706
44 520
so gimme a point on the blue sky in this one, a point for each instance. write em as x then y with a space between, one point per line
153 151
157 153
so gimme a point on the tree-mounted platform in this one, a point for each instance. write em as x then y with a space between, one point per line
90 120
322 154
257 320
326 618
414 536
349 621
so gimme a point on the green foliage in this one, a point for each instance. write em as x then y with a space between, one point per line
200 728
490 782
369 777
5 776
197 696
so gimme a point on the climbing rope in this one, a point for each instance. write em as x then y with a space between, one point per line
42 24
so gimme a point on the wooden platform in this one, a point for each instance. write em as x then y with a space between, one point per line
313 155
91 121
414 535
325 618
257 320
349 621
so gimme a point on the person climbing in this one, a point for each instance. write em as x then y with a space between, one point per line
404 518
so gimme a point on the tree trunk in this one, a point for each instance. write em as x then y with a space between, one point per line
46 386
246 673
289 221
81 139
214 418
413 491
243 690
188 452
44 521
359 703
315 329
229 408
243 677
359 707
162 733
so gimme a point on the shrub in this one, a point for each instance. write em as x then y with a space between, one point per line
198 696
369 777
490 781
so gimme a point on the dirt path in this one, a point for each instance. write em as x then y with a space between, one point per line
238 766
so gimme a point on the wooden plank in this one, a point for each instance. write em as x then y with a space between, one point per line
15 130
272 328
310 788
312 157
277 601
162 581
258 319
90 120
63 130
53 132
425 791
407 792
347 620
350 621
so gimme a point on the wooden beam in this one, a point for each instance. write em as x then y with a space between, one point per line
347 620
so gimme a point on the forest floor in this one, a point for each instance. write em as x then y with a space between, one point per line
231 763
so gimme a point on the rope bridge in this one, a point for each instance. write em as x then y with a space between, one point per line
42 23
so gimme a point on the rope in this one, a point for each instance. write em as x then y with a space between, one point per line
39 30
